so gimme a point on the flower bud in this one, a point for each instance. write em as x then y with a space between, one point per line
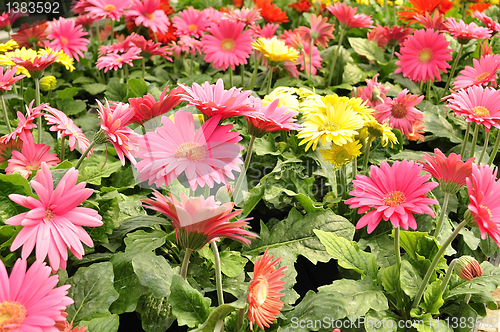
468 268
48 83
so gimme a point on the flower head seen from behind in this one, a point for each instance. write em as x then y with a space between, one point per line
67 36
28 61
199 220
29 300
348 18
29 35
7 148
54 222
491 24
275 50
340 155
264 298
394 193
423 55
320 30
468 268
147 108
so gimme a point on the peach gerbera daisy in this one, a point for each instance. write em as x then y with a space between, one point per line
320 31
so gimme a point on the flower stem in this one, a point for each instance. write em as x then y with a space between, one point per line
112 32
466 139
397 248
449 272
428 93
270 82
242 74
354 168
367 153
185 263
63 141
442 215
474 140
84 154
239 182
485 146
37 103
434 263
241 318
332 65
230 77
6 115
495 149
218 273
251 84
453 68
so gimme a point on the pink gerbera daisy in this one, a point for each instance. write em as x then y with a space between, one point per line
30 158
146 108
483 72
389 36
148 47
148 14
25 123
54 222
212 99
423 55
113 124
393 192
320 31
269 118
463 33
267 31
435 21
7 79
112 9
212 14
374 93
316 59
115 61
191 22
28 299
491 24
85 20
6 149
246 15
65 126
477 104
400 112
67 36
227 45
206 156
348 18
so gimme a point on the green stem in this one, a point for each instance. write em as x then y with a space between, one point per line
354 168
442 215
485 146
125 67
63 150
449 272
37 103
143 67
112 32
332 65
6 115
495 149
343 181
230 77
239 182
474 140
434 263
218 273
466 140
367 153
185 263
242 74
397 248
219 326
192 65
428 93
393 49
241 319
251 84
453 68
84 155
270 82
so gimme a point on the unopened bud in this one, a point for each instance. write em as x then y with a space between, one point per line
468 268
48 83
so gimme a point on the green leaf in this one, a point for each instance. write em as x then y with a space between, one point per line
382 246
440 127
297 235
198 78
154 272
219 313
102 324
381 321
94 88
352 74
84 80
367 48
142 241
232 263
410 279
93 291
12 184
137 88
92 170
390 280
71 107
348 254
433 298
116 91
156 313
67 93
188 305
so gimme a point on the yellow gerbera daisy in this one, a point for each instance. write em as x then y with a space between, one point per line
390 3
375 129
340 155
275 50
357 104
62 58
286 96
197 117
311 104
304 93
10 45
338 124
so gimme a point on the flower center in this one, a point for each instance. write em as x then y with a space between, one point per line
394 198
482 76
487 210
192 27
342 157
109 8
399 111
329 126
425 55
260 291
227 44
48 215
12 314
481 111
150 16
64 41
119 59
192 151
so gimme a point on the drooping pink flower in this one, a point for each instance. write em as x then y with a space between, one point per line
112 9
113 124
25 123
491 24
54 222
79 7
269 118
435 21
29 300
374 93
477 104
15 15
320 31
7 79
483 72
67 36
199 220
6 149
423 56
85 20
463 33
189 45
148 14
191 22
316 59
227 45
212 99
118 47
147 108
394 193
115 61
206 156
30 158
348 18
400 112
246 15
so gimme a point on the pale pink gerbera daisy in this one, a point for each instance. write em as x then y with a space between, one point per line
7 79
206 156
227 45
246 15
393 192
191 22
400 112
29 300
477 104
463 33
483 72
265 119
25 123
212 99
348 18
320 31
30 158
148 14
112 9
113 124
66 127
115 61
491 24
423 55
67 36
54 222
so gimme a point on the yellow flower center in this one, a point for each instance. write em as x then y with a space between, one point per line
482 76
227 44
109 8
191 151
399 111
329 126
342 157
64 41
150 16
260 291
48 215
12 314
481 111
487 209
394 198
192 27
119 59
425 55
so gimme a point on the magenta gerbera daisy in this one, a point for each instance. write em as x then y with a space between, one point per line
463 33
67 36
206 156
7 78
191 22
25 122
148 14
491 24
423 55
483 72
54 222
115 61
227 45
394 193
348 18
265 119
112 9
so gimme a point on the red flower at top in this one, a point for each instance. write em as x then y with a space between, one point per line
421 7
270 13
301 6
31 34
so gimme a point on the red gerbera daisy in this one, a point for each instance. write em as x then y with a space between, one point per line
301 6
478 7
147 108
270 13
435 21
29 35
421 7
